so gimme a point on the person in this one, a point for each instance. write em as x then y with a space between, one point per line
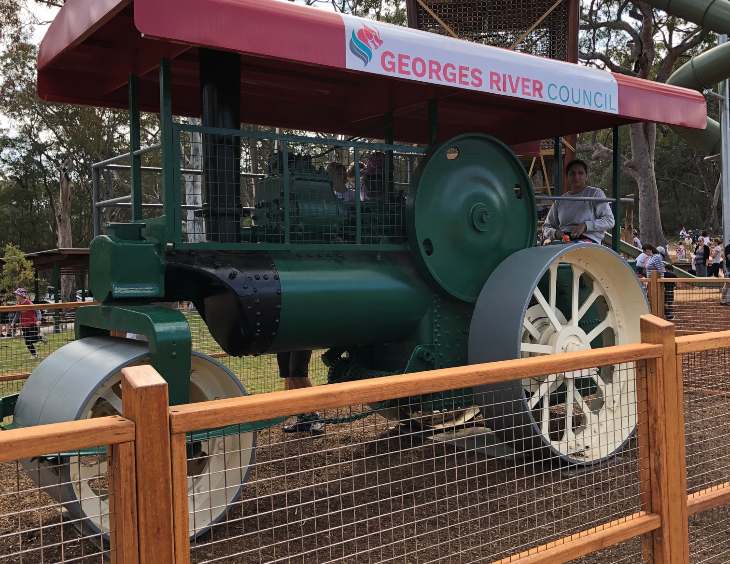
715 258
4 316
693 267
580 220
702 255
682 233
725 294
373 177
636 240
30 322
294 367
669 293
654 262
641 263
339 173
680 252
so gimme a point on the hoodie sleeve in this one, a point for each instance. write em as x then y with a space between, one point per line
604 216
552 222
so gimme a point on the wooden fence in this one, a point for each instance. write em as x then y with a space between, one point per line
150 452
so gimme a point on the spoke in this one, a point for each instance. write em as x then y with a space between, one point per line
545 425
600 328
543 390
552 294
581 402
531 329
114 400
548 311
576 291
597 377
535 348
586 304
570 384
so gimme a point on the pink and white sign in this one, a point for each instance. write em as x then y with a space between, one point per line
414 55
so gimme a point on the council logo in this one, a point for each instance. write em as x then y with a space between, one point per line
364 41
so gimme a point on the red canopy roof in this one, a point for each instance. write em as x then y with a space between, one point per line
315 70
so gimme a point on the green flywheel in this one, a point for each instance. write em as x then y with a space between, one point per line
472 206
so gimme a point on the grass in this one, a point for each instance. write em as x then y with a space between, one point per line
259 374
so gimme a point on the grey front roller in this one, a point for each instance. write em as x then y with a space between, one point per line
82 380
555 299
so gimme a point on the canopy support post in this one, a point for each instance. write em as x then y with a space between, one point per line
134 145
433 121
616 182
170 200
220 94
558 166
389 163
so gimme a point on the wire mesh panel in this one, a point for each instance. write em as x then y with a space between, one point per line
501 23
297 190
258 374
709 541
41 500
696 306
706 377
26 344
424 479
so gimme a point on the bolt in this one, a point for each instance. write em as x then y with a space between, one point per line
245 286
651 370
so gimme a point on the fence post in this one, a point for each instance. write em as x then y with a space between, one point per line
123 503
666 445
181 520
656 294
144 401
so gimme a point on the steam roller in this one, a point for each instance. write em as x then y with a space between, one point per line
467 286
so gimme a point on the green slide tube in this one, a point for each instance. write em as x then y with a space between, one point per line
705 70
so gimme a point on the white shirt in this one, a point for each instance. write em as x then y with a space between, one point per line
641 260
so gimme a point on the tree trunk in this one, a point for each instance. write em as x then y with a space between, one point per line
194 224
643 139
714 217
63 223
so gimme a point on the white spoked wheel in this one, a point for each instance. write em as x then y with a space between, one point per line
218 464
584 297
216 467
583 414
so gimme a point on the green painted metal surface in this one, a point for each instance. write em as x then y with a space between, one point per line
134 145
167 333
472 206
125 264
616 183
347 299
7 406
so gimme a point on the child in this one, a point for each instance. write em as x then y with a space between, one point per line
30 322
680 252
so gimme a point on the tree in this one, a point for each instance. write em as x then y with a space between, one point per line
37 138
631 38
17 270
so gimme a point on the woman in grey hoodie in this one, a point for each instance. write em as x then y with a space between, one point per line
580 220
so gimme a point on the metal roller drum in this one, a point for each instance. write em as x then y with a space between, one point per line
548 300
82 380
